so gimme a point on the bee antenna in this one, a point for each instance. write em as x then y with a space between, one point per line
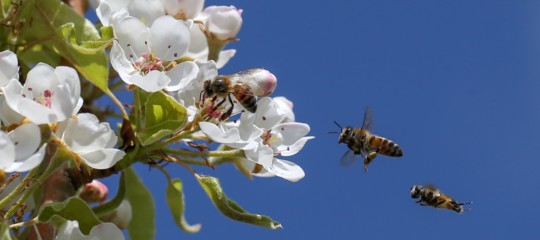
340 128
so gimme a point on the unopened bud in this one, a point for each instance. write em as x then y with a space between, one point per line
265 82
223 22
94 192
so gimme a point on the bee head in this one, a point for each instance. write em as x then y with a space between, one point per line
207 88
219 85
415 191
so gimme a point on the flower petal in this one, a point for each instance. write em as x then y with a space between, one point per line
263 155
121 64
29 163
152 82
224 57
146 10
169 38
106 230
133 36
27 139
290 132
286 170
87 134
267 114
8 67
217 134
7 149
102 159
182 75
294 148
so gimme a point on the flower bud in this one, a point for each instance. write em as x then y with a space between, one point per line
223 22
264 82
94 192
121 216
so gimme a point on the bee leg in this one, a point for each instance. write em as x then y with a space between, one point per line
372 153
219 104
229 112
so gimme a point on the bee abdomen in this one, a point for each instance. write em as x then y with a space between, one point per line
386 146
245 96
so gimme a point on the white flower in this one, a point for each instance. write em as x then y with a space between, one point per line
264 136
49 94
91 140
190 91
70 231
222 22
8 67
183 9
145 56
20 148
7 115
110 12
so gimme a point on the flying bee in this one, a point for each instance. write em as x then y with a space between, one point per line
432 196
245 86
361 142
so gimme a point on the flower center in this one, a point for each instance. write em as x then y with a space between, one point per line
44 98
148 62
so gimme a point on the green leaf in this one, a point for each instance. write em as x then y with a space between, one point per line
175 200
57 27
73 208
163 116
111 205
142 224
230 208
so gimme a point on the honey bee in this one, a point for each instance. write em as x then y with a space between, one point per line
432 196
242 85
361 141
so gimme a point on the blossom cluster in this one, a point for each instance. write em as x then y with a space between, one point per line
169 54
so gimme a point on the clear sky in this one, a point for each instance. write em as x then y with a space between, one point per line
455 83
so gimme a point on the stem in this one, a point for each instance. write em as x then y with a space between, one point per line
160 145
19 189
235 153
24 224
118 103
137 102
26 194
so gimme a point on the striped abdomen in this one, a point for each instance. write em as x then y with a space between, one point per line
244 95
385 146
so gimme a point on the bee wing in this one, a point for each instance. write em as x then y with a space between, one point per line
248 77
349 158
368 123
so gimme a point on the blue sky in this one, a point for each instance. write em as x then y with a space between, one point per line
454 83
